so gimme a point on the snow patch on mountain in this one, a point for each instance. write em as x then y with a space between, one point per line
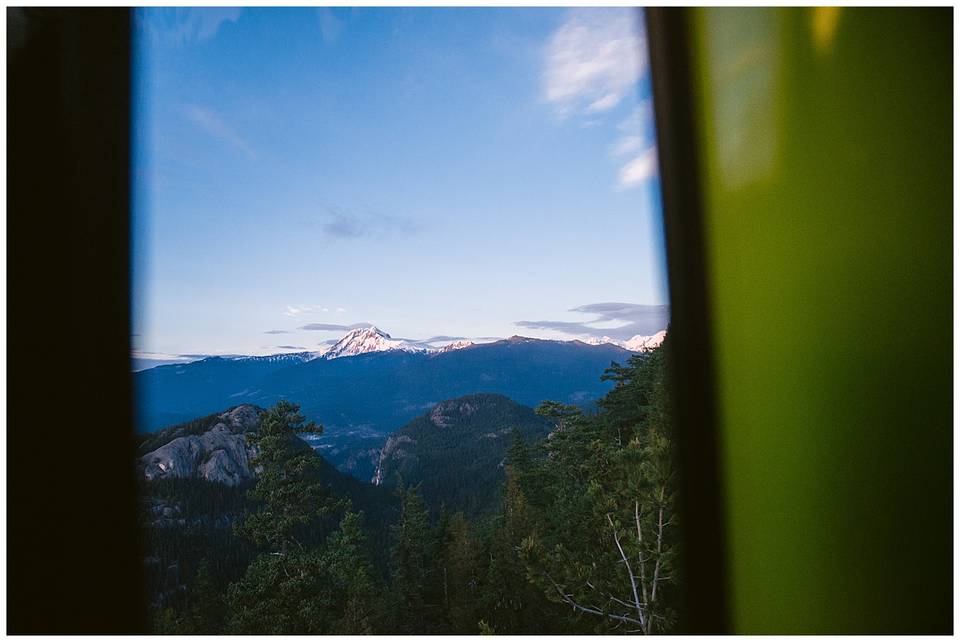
453 346
603 340
636 343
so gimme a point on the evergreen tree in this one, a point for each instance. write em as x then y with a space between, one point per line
289 594
352 570
458 567
414 601
287 484
207 611
604 542
165 622
561 414
288 589
509 602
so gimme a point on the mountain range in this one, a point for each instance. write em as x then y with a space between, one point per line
371 339
636 343
369 385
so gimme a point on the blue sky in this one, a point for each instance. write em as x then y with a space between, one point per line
460 172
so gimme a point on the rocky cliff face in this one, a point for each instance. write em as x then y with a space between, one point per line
393 450
220 454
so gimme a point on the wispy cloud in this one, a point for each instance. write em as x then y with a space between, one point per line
322 326
351 224
294 310
443 339
156 355
572 328
276 332
212 124
433 341
291 347
640 169
594 60
634 319
638 143
627 145
426 342
330 25
142 360
181 26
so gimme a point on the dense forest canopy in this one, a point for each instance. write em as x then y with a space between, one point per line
580 538
456 452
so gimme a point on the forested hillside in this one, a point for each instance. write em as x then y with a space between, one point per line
580 537
455 453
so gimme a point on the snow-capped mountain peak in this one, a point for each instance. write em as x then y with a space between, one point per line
636 343
645 343
367 340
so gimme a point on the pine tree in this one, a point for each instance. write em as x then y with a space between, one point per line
287 483
350 566
288 589
207 611
561 414
290 594
604 543
457 570
414 601
509 602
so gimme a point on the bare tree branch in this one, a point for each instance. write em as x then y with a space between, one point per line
591 610
633 581
637 512
657 564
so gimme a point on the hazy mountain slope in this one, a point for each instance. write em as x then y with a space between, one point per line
172 394
382 391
